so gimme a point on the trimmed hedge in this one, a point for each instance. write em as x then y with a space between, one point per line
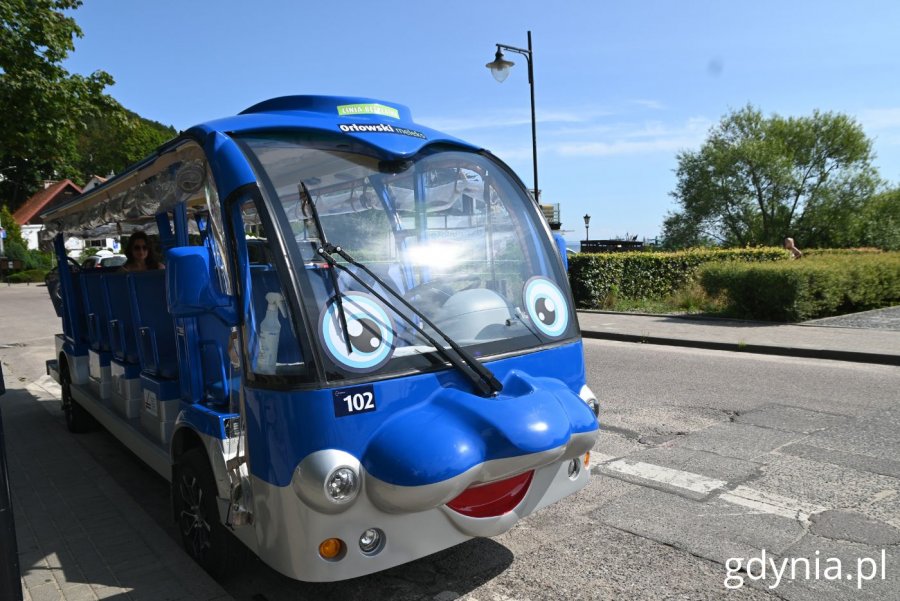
813 287
595 277
29 275
865 250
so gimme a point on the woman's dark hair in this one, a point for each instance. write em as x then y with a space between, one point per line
152 262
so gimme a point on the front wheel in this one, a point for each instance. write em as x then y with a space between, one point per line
78 420
196 510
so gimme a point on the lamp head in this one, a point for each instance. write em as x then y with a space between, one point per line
499 66
587 219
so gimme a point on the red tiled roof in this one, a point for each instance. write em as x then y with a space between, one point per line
34 205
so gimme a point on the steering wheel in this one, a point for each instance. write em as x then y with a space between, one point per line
73 265
52 282
439 290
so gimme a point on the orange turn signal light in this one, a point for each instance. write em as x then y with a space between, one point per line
330 548
587 459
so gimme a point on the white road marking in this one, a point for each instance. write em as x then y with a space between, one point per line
743 496
666 475
765 502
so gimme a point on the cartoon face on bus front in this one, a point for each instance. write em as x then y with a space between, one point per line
449 231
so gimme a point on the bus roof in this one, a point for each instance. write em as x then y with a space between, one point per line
385 126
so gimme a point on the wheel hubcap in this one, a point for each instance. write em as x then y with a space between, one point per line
194 526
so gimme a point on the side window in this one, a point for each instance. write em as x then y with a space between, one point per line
271 342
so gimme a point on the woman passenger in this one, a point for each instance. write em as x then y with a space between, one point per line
140 254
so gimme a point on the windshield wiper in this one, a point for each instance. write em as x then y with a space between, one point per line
481 377
314 212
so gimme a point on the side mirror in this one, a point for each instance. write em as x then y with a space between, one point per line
189 286
561 247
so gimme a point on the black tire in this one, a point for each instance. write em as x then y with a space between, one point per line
197 515
78 420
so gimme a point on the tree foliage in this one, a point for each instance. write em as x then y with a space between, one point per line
877 223
757 180
44 107
14 246
13 229
55 124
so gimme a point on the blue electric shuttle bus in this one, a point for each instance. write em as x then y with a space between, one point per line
362 348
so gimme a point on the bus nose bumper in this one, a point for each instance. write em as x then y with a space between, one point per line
428 455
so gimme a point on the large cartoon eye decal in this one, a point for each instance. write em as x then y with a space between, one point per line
547 306
370 331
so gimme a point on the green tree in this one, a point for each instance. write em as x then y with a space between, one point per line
878 222
14 246
756 180
13 229
45 108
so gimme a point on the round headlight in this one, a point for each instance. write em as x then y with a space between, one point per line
342 485
328 480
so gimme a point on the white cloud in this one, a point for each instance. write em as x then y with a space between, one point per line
640 138
621 147
650 104
578 132
880 119
512 119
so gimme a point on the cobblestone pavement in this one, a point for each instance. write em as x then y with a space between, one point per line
878 319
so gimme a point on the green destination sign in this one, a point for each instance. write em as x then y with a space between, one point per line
347 110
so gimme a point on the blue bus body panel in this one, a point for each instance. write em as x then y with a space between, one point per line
425 428
204 420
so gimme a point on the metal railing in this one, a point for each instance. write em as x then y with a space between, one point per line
10 578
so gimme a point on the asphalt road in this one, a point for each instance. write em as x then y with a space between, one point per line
708 459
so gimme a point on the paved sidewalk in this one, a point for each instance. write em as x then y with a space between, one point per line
868 340
80 536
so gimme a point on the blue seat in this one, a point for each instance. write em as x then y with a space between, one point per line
96 310
122 332
214 338
76 330
154 326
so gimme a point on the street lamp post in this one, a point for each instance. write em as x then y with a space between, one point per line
587 223
500 70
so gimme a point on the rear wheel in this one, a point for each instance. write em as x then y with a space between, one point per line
197 512
78 420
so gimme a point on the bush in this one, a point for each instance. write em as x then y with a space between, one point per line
31 259
813 287
29 275
598 277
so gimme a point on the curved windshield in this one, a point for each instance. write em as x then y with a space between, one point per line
448 230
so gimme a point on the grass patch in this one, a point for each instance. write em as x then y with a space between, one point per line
690 300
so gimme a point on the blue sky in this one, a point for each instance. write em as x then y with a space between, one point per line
620 87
